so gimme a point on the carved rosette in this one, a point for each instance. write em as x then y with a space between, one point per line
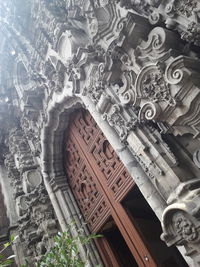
152 93
151 85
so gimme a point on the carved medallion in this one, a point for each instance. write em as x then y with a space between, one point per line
184 227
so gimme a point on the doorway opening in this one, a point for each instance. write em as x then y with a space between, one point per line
115 246
110 201
149 227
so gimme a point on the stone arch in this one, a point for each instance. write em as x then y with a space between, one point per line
52 133
56 125
65 206
58 112
53 172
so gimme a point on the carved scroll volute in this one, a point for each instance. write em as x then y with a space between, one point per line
167 87
152 93
158 47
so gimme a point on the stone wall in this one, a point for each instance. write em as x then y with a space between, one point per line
135 66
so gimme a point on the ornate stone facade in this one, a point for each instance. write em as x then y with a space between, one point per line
135 65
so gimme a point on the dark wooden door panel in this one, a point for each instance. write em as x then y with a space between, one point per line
97 148
83 183
100 181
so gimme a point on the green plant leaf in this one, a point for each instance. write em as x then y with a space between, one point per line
65 251
12 238
6 263
7 244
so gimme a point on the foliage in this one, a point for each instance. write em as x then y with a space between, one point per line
65 251
7 261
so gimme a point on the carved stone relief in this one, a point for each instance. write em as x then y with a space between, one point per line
143 80
180 220
180 15
139 85
37 224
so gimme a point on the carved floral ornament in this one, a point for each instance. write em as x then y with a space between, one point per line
156 82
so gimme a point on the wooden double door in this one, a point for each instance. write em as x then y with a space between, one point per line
110 201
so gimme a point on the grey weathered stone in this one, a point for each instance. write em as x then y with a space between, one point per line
135 66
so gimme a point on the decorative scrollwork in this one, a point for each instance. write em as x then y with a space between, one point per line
121 24
129 97
154 18
152 86
150 111
173 73
125 89
158 40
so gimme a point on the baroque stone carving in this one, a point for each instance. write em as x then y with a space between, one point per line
184 227
180 220
159 87
192 34
120 94
186 7
154 87
37 224
182 15
143 82
31 179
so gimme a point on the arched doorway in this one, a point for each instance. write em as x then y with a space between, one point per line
110 201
